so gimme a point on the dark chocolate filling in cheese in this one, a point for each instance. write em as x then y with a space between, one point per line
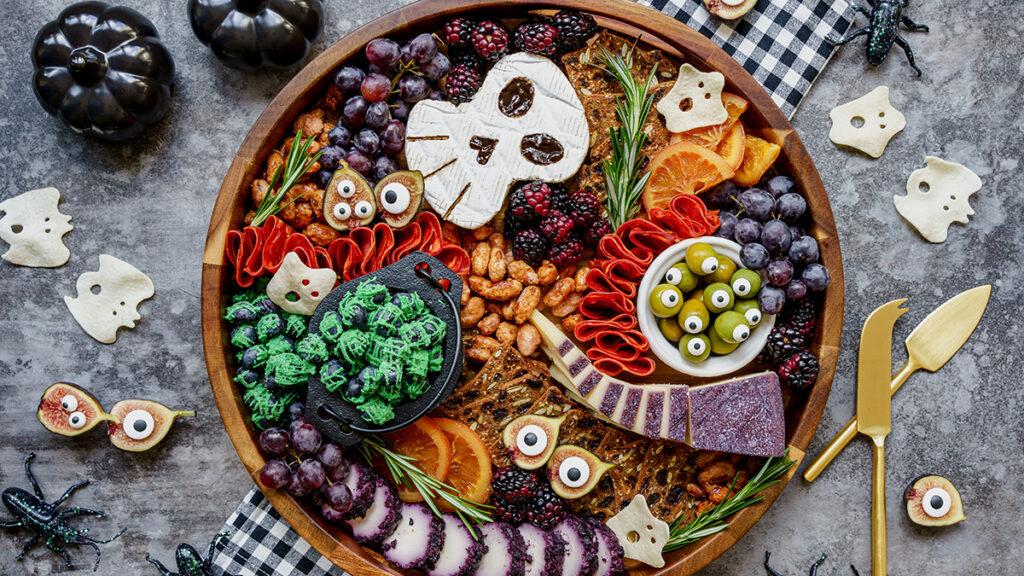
484 148
516 97
541 149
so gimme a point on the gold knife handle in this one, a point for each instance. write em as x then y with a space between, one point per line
878 551
846 435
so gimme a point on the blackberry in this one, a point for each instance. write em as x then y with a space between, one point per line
802 316
462 83
584 208
537 37
511 487
458 32
465 56
598 230
567 254
544 508
800 370
574 29
490 40
783 342
559 195
557 227
529 246
534 201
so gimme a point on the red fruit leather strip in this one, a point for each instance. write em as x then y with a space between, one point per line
346 257
451 234
384 243
455 258
588 330
303 248
693 208
611 247
597 279
276 234
431 227
407 239
626 274
239 245
364 238
622 344
641 366
682 227
323 258
605 305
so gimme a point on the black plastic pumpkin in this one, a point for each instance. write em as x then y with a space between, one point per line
249 34
102 70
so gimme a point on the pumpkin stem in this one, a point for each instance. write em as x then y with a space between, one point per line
87 65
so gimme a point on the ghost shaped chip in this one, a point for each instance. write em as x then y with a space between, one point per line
937 196
525 123
34 227
694 101
867 123
297 288
641 534
108 299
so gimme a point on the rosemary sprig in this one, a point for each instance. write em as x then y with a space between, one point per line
623 170
404 470
295 165
714 520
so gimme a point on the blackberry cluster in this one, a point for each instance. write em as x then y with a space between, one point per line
546 222
574 29
462 83
537 37
787 349
800 370
520 496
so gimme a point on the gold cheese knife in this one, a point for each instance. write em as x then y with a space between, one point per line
874 414
932 343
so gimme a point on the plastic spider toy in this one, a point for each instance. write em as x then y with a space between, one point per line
814 567
47 521
189 562
884 17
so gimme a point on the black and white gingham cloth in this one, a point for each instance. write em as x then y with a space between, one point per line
780 42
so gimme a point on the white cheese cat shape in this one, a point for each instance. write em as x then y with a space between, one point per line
525 123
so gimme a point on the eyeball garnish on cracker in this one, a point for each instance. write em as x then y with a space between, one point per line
694 101
108 299
867 123
641 534
937 196
34 227
297 288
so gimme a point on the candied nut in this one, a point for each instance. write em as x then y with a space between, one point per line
472 312
481 348
497 240
494 308
303 216
506 333
311 123
508 310
523 272
249 217
720 472
274 162
259 188
705 506
489 324
496 266
559 291
466 293
706 458
528 339
483 232
567 305
581 278
321 234
502 291
547 273
525 304
323 139
718 494
694 490
570 322
741 479
479 258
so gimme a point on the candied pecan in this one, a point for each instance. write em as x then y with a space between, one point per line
472 312
570 322
506 333
496 265
249 216
483 232
567 305
527 339
705 458
497 240
502 291
321 234
303 216
559 291
547 273
525 304
718 494
466 293
333 99
694 490
489 324
259 189
311 123
481 348
523 272
274 162
581 278
720 472
479 258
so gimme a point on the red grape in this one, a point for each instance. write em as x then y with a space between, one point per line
393 137
311 474
413 89
383 52
340 472
275 474
330 455
348 79
780 272
383 166
422 48
359 162
330 514
274 441
375 88
353 114
339 497
367 142
296 488
377 115
297 410
306 438
435 68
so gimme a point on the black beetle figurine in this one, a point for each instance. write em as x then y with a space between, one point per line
189 562
47 521
250 34
102 70
884 17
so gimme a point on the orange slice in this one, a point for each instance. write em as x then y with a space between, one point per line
470 472
758 157
732 145
710 136
425 442
683 168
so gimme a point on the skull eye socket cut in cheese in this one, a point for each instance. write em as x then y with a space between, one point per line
525 123
34 227
867 123
937 196
108 299
694 101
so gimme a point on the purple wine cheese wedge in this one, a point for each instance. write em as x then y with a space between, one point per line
743 415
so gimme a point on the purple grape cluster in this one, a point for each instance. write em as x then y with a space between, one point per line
303 465
370 133
766 222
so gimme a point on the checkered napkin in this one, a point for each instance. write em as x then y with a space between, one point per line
780 42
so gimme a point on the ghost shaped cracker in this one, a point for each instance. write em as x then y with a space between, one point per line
642 535
867 123
297 288
34 227
525 123
108 299
937 196
694 101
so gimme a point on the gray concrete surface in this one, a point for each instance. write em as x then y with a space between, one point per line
149 202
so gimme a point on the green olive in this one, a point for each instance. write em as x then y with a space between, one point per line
693 317
666 300
695 347
670 329
745 283
732 327
697 294
726 268
718 346
750 310
701 258
718 297
682 277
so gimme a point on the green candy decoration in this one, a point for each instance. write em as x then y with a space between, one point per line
289 369
435 359
372 294
312 349
331 327
246 378
352 312
411 305
333 375
243 336
377 411
386 320
295 326
279 345
269 326
351 346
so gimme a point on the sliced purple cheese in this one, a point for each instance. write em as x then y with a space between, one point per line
380 518
545 551
361 483
417 540
580 546
609 552
742 416
460 555
504 551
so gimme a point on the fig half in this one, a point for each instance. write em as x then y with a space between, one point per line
70 410
575 471
141 424
400 197
348 200
933 501
531 439
729 9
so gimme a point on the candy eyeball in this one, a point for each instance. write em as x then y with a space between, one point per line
395 198
753 316
532 440
342 211
346 188
76 420
731 326
681 277
741 287
69 403
718 297
745 283
138 424
701 259
665 300
363 209
673 276
936 502
574 471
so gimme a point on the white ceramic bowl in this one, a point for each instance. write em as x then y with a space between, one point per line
668 352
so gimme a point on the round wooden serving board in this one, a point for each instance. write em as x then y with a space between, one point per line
762 117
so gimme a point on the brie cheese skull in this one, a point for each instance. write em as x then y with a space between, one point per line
297 288
108 299
937 196
34 227
525 123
